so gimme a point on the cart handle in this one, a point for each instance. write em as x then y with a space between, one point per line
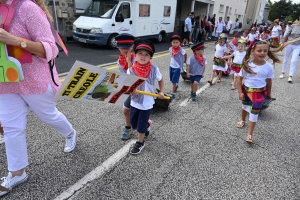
152 94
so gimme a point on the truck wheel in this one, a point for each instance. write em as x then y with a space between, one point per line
111 42
160 37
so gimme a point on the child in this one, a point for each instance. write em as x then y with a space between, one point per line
234 43
126 58
219 64
245 36
265 35
196 67
255 83
141 105
252 35
236 66
178 57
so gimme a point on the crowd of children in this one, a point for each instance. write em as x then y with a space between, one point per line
251 74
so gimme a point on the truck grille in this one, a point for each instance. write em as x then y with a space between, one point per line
81 30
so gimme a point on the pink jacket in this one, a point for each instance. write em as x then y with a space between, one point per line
30 22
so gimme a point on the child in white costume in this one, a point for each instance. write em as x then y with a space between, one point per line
255 83
236 65
219 64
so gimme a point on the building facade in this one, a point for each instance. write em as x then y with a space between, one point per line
235 9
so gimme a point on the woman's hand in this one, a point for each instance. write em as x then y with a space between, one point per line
7 38
135 93
161 95
241 96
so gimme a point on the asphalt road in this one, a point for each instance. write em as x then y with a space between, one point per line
195 152
93 54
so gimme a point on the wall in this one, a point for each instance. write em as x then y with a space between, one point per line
67 5
232 8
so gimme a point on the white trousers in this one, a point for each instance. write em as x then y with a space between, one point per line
13 116
293 50
252 117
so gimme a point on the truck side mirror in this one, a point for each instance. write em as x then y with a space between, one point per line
119 18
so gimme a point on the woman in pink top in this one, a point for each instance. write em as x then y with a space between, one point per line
31 28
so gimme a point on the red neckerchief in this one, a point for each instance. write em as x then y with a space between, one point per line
142 70
175 50
235 42
200 59
123 61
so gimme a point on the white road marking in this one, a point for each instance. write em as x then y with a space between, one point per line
97 172
207 85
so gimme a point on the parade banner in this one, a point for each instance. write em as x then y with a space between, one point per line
87 82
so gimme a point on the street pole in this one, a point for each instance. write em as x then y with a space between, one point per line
55 15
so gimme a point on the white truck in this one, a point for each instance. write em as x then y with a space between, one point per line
105 19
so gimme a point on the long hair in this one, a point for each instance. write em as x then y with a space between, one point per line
44 8
252 46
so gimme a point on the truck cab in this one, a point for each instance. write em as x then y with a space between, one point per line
105 19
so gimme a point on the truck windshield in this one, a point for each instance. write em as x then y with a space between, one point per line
101 8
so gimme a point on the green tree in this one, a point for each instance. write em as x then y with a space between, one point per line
281 9
288 18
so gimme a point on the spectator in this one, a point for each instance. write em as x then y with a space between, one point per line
229 25
220 27
187 30
291 50
236 26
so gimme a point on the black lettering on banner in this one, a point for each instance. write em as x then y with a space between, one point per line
115 98
66 93
85 86
77 78
134 86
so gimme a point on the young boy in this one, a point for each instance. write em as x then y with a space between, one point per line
178 57
196 67
126 58
141 105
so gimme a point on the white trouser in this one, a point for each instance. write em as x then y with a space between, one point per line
13 116
295 51
252 117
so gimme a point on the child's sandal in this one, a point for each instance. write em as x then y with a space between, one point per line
210 82
249 139
219 80
240 124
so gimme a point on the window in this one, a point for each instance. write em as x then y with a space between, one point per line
124 10
144 10
167 11
101 8
221 8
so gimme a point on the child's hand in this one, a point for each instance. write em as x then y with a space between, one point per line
135 93
241 96
161 95
188 75
128 56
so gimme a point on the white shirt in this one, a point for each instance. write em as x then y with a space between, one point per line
251 37
188 21
173 62
148 100
238 57
257 80
220 50
275 31
245 38
219 27
228 25
237 25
